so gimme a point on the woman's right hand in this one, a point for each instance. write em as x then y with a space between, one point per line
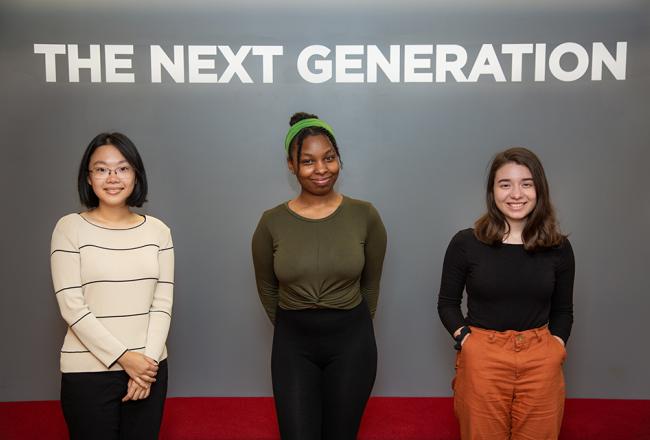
139 367
135 392
457 332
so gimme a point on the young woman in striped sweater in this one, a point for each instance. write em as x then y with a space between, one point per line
113 275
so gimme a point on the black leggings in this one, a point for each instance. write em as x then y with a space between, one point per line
93 408
324 364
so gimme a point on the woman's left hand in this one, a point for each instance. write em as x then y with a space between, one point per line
135 392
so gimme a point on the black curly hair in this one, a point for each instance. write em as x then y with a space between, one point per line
304 133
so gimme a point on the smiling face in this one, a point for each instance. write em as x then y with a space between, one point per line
111 176
514 192
318 165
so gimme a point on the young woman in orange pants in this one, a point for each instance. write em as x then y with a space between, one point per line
518 271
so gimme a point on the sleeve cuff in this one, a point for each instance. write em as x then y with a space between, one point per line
116 359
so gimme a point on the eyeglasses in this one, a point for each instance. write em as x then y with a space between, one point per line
103 172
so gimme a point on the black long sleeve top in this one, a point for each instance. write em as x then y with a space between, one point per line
508 288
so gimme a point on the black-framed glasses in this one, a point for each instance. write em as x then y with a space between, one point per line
103 172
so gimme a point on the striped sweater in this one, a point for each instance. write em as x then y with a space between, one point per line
114 288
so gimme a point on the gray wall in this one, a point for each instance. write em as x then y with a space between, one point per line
418 151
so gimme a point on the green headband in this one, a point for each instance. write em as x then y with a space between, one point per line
295 129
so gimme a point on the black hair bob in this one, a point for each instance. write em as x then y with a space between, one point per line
86 194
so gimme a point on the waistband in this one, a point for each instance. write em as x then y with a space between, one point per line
521 339
322 320
507 333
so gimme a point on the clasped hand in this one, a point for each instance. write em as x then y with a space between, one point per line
142 372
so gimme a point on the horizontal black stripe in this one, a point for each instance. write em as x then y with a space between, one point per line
166 282
88 351
63 250
161 311
67 288
118 249
71 325
117 281
122 316
166 249
108 281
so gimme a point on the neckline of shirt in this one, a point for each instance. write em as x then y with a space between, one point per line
515 245
316 220
144 220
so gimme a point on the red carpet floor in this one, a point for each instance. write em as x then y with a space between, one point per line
385 419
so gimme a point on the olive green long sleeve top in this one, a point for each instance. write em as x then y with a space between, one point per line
332 262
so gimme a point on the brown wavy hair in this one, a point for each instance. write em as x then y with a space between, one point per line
541 229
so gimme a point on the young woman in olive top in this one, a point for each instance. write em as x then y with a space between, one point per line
318 261
518 270
113 275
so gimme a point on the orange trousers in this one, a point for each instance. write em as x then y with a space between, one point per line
509 385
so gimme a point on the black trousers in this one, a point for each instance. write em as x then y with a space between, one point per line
323 365
93 408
